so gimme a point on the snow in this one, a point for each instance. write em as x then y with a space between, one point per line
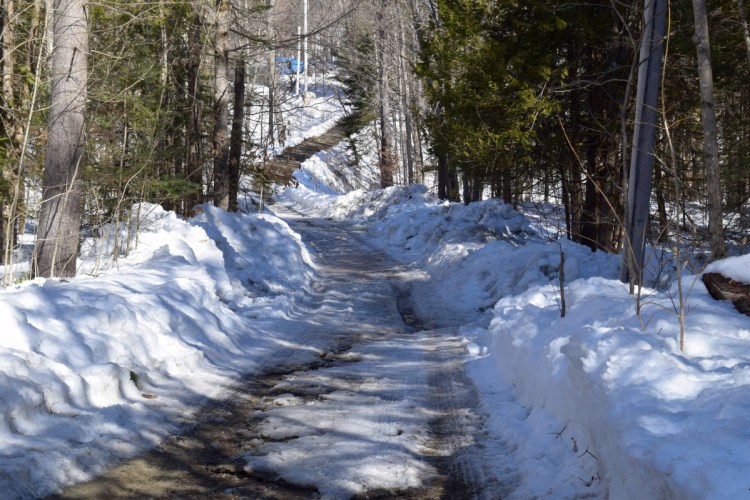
335 171
302 118
599 403
736 268
95 369
361 402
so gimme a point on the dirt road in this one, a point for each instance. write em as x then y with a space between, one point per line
389 413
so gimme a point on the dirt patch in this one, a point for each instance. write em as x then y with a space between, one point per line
203 461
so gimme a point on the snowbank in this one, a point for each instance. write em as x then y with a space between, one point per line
336 172
481 252
611 407
663 423
94 369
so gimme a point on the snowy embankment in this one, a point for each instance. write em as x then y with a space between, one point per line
336 171
305 118
100 367
611 407
95 369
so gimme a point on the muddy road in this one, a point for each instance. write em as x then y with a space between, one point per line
386 412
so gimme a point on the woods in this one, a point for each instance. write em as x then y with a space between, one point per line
374 248
527 102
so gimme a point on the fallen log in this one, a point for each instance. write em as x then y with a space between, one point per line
722 288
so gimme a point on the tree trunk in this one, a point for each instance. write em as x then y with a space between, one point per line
453 194
60 215
418 158
661 206
589 212
745 30
476 189
644 132
270 134
386 162
406 92
235 148
7 49
565 196
33 51
193 150
221 105
8 44
442 167
409 147
710 130
507 185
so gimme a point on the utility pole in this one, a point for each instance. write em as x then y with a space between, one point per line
305 33
299 49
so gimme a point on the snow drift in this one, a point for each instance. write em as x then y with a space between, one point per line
610 402
94 369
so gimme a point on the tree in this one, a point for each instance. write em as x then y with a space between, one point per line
221 105
644 135
7 118
710 131
487 69
56 247
387 161
235 146
745 29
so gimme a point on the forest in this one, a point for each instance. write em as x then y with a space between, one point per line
111 103
374 248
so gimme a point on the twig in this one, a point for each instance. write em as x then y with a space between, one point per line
587 452
558 435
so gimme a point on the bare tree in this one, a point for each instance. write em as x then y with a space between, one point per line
221 105
235 147
60 217
644 133
710 130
